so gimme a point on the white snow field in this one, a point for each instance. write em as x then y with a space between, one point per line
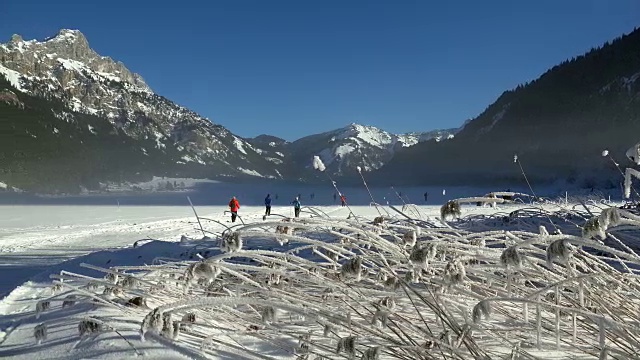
515 281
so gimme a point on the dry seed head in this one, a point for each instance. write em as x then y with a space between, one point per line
352 269
594 227
481 310
231 242
41 306
610 217
70 300
450 209
268 314
420 255
137 301
409 238
511 257
89 326
560 250
40 333
372 353
347 344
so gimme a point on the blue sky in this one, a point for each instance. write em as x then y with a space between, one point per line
294 68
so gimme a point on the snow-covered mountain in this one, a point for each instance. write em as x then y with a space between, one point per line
65 68
96 120
343 150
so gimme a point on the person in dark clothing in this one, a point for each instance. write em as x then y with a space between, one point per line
296 206
312 196
343 200
334 197
234 206
426 196
276 196
267 205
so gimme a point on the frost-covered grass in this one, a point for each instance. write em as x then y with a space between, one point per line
518 282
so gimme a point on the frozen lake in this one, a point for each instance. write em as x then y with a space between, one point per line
213 194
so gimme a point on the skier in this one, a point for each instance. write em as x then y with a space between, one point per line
426 195
267 205
234 206
343 200
296 206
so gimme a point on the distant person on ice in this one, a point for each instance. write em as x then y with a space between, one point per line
267 205
426 196
334 197
296 206
234 206
343 200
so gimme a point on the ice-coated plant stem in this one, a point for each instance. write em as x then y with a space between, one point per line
398 195
336 278
197 218
526 179
602 333
368 190
538 324
557 293
607 154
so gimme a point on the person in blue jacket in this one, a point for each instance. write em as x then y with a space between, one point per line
296 206
267 205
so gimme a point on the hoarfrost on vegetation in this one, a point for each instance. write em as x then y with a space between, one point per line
388 287
318 164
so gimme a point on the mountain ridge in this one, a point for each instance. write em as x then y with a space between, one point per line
345 149
557 124
65 68
79 84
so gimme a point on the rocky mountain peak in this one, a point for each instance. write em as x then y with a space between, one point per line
15 39
72 44
66 69
69 36
70 50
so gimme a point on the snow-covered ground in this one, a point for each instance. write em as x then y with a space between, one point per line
37 241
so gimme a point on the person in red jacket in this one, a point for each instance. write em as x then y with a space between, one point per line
234 206
343 200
